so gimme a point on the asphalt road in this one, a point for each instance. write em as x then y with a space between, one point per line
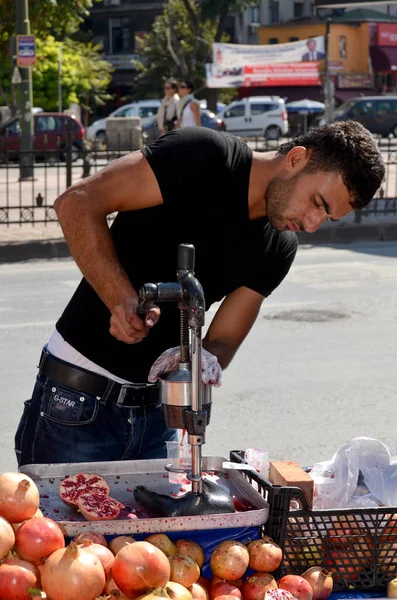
318 368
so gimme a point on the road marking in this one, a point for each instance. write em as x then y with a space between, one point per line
27 324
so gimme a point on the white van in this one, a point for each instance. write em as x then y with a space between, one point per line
144 109
256 116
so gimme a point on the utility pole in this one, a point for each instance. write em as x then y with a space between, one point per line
60 79
25 98
328 83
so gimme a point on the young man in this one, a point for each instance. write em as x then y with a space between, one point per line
239 208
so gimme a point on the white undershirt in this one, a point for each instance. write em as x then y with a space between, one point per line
188 119
58 347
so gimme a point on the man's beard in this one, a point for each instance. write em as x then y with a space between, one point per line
278 196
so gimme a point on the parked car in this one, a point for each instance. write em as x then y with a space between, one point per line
377 113
50 136
219 105
146 109
256 116
208 119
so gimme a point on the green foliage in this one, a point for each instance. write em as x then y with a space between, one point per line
180 43
85 75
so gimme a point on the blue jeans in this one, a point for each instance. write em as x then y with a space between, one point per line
60 424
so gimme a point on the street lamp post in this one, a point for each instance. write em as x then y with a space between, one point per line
25 99
328 83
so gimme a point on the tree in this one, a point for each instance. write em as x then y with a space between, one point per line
180 42
59 17
85 74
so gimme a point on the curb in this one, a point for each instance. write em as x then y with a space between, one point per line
33 250
57 248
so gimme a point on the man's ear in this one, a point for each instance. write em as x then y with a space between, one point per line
297 159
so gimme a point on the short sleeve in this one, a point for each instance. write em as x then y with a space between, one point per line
272 262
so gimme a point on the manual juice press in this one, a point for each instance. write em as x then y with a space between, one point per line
186 400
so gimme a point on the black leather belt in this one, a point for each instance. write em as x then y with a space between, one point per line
126 395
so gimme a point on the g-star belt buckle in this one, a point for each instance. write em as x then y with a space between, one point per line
125 388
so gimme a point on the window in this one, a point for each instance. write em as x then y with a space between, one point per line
363 109
386 107
48 124
236 111
148 111
274 11
255 18
273 40
120 35
293 38
298 10
258 108
13 128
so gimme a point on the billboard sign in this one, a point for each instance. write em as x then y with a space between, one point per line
387 34
26 51
293 74
240 55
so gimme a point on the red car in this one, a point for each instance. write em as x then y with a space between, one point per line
50 136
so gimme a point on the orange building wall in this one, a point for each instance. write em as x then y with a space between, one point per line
357 44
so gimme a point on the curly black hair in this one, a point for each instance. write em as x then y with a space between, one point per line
349 149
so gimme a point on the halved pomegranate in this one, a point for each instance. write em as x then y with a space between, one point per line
96 506
73 486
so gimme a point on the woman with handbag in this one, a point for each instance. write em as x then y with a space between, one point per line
167 116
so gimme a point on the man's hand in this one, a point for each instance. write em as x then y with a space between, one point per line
211 371
126 325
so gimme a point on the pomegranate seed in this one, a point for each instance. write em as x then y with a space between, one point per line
182 490
129 490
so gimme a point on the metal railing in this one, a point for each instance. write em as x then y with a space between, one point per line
27 203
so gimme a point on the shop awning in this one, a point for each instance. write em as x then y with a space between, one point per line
384 58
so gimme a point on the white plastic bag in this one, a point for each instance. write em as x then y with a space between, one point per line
336 481
169 361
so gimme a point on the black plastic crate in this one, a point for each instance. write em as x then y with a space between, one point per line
359 546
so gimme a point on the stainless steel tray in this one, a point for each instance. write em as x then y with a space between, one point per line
124 476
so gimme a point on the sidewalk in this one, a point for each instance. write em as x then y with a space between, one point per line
46 242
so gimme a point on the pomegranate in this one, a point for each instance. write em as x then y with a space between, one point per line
215 580
226 597
38 538
344 564
176 591
172 591
7 537
71 573
16 576
140 566
321 581
256 586
192 549
184 570
109 586
198 591
104 555
37 514
206 583
96 506
298 586
96 537
73 486
279 595
265 555
19 497
230 560
120 542
392 589
163 543
224 589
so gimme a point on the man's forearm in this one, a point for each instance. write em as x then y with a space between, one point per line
92 247
224 352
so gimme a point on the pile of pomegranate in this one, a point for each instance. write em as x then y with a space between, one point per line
34 561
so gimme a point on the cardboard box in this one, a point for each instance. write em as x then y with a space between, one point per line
290 473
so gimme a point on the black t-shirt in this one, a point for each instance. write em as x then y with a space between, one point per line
203 176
